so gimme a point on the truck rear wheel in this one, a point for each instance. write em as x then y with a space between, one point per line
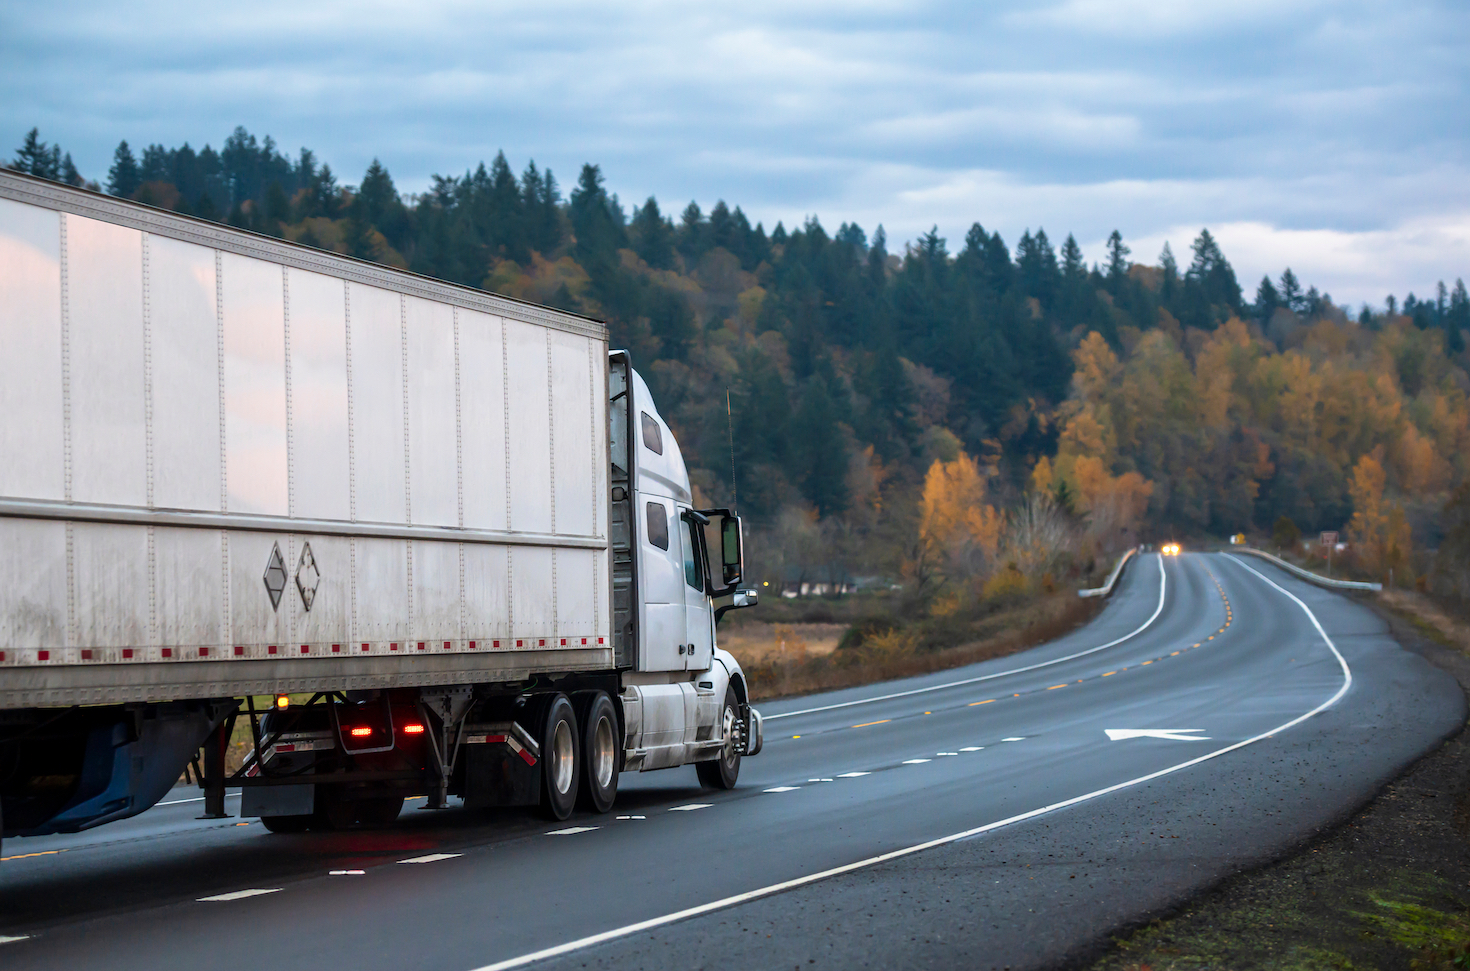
722 773
559 769
600 744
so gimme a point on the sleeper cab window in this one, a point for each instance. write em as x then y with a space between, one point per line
658 525
652 437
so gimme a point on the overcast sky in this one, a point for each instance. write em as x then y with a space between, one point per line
1331 136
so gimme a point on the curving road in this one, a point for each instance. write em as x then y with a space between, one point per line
1010 814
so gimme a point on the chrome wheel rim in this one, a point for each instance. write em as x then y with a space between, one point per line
732 737
561 757
603 753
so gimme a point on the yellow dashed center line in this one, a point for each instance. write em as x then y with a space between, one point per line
884 721
987 701
26 856
1055 687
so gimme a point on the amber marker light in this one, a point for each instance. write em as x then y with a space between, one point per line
283 702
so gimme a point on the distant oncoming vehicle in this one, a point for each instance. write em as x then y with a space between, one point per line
1169 549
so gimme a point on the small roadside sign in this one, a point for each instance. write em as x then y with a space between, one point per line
1329 537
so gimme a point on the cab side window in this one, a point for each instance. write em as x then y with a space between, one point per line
693 574
653 437
658 525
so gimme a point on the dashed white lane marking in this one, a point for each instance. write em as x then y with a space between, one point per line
237 895
819 780
346 873
571 831
999 674
972 748
632 817
691 807
946 753
853 775
916 761
783 788
1019 738
810 878
12 940
431 858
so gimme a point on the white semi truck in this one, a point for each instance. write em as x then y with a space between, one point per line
234 468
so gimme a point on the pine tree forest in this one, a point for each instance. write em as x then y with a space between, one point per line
933 414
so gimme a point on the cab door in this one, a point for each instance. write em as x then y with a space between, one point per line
665 646
699 645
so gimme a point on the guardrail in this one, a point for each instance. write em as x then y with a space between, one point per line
1309 575
1107 588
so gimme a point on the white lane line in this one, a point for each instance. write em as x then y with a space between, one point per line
571 831
1018 738
792 884
236 895
916 761
632 817
783 789
691 807
346 873
972 748
1163 583
431 858
12 940
180 802
853 775
946 753
819 780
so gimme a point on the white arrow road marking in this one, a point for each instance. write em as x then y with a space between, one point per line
237 895
571 831
431 858
1172 734
801 881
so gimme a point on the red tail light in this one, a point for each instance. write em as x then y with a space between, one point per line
361 732
413 729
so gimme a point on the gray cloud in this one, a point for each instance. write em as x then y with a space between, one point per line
1327 133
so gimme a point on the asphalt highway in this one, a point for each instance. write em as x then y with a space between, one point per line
1010 814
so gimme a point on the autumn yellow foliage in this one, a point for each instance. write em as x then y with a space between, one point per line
958 531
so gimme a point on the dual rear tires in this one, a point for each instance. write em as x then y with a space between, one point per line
579 755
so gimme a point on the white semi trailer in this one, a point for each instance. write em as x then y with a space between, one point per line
234 467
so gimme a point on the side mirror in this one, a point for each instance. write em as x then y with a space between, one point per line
724 534
734 601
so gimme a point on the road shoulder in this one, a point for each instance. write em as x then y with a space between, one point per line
1389 888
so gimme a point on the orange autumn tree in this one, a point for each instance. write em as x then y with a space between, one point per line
958 531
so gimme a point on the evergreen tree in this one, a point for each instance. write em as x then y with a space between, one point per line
1267 299
1291 293
123 178
69 173
653 236
35 157
1117 260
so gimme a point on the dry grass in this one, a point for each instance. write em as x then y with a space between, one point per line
756 641
895 654
1429 617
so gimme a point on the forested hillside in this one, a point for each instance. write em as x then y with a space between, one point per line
871 382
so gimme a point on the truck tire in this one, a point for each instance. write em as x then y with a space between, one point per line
285 824
559 775
600 744
722 773
379 811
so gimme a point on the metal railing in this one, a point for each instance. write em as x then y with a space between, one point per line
1308 575
1107 588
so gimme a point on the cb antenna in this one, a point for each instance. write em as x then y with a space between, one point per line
730 429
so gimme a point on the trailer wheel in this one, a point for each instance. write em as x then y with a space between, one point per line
721 773
559 760
379 811
600 744
285 824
